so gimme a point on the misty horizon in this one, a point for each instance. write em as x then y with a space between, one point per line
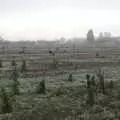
37 20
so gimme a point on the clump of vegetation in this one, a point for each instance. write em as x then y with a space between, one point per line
91 96
100 76
13 63
90 89
70 78
102 56
54 60
99 84
15 88
15 85
6 106
14 75
93 81
41 87
111 85
88 80
57 92
55 63
1 64
23 66
97 54
51 53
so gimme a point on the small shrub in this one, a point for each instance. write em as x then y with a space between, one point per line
15 88
55 63
41 87
93 81
6 106
88 80
102 86
13 63
15 85
1 64
111 87
91 97
15 74
70 78
111 84
97 54
100 76
102 56
57 92
90 89
23 66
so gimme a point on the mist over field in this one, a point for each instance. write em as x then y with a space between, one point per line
59 60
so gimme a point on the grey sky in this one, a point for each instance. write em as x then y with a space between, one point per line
37 19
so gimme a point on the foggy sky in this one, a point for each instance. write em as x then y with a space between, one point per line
49 19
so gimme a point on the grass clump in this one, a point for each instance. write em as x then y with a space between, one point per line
15 85
23 66
6 104
41 87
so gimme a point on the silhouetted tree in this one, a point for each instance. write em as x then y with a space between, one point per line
90 36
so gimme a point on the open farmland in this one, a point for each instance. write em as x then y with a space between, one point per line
63 99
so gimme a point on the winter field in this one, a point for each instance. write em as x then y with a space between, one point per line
55 87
